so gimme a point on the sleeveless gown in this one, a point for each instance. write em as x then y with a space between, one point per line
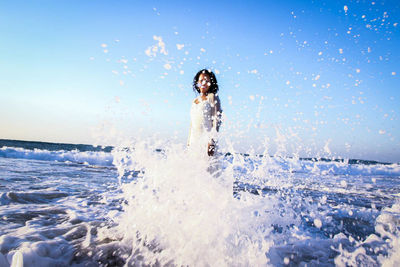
201 126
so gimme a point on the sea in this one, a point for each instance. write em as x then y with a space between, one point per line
148 203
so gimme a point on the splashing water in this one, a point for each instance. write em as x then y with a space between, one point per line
183 209
174 207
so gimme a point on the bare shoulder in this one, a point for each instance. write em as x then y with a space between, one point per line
212 97
196 100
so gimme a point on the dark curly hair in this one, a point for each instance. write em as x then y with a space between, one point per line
214 85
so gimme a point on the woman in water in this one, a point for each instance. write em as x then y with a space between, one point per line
205 113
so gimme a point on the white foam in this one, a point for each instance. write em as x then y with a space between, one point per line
98 158
176 209
189 215
386 238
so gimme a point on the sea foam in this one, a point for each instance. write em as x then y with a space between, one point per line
98 158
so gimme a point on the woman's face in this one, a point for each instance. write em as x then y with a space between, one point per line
204 83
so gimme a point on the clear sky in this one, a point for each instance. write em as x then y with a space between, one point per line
319 77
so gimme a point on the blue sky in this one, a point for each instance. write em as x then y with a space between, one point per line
324 74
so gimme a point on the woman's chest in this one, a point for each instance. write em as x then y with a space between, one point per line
201 108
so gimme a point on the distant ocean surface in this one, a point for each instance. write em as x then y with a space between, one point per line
156 204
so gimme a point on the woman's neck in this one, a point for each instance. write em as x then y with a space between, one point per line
203 96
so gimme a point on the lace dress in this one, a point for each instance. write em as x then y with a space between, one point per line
205 120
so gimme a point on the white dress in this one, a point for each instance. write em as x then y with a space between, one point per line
205 120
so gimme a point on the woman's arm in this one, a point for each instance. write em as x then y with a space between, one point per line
216 113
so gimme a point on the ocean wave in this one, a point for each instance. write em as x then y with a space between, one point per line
29 197
256 165
334 168
252 163
98 158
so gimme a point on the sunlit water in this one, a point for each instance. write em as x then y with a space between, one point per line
144 205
